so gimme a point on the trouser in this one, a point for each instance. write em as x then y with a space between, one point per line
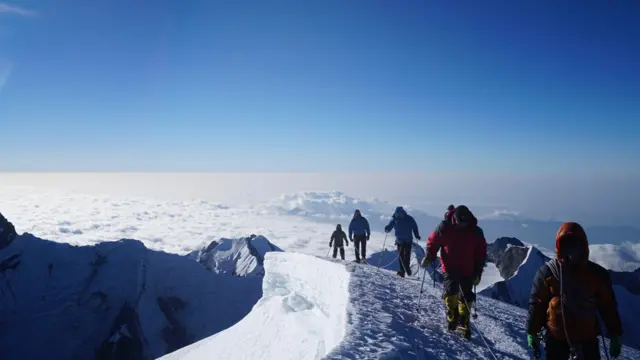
335 252
404 258
559 349
457 289
360 245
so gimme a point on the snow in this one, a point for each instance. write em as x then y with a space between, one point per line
239 257
377 316
302 314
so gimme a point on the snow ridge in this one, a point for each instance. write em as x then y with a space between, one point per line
301 314
238 257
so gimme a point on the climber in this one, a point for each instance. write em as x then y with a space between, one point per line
572 322
336 241
7 232
449 213
406 227
359 233
463 253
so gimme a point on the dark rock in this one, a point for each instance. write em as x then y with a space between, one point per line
125 340
496 249
513 257
174 334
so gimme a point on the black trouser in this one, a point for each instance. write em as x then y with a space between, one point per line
404 258
452 285
559 350
335 252
360 245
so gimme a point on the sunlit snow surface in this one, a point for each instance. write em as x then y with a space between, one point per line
306 307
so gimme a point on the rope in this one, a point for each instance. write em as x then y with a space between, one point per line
477 329
392 261
402 262
606 351
358 250
383 248
564 322
417 344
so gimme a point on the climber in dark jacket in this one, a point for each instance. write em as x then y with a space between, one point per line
572 322
359 233
337 238
406 227
7 232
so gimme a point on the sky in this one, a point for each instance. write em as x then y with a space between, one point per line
520 87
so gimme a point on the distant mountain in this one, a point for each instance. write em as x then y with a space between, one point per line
628 280
112 301
238 257
517 288
496 249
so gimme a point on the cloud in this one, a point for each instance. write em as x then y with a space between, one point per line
9 9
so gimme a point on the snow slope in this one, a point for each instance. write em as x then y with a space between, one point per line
114 300
238 257
317 309
301 315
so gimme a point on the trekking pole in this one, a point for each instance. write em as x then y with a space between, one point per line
328 252
475 303
424 276
434 274
383 245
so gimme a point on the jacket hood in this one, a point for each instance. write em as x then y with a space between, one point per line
571 234
399 210
463 216
357 213
338 227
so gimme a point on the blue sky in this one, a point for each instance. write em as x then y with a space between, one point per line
156 85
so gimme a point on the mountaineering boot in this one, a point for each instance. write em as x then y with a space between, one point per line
451 303
464 314
364 261
400 273
464 331
463 325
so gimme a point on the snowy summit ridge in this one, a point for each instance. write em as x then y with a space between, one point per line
238 257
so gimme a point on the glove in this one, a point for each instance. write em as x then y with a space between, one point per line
534 343
368 237
387 228
426 262
346 243
418 237
476 280
330 245
615 347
